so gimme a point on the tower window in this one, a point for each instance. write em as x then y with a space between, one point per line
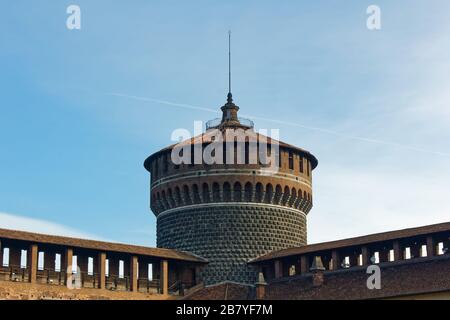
247 152
308 169
301 165
279 159
291 161
192 156
224 152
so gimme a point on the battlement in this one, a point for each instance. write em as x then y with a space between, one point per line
290 272
73 263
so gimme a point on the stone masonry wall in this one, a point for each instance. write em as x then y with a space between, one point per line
229 235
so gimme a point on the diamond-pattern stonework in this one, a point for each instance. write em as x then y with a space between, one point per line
230 236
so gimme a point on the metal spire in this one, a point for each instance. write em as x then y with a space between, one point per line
230 99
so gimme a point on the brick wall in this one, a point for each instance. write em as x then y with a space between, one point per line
406 278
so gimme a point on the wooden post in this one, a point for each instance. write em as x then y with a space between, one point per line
134 273
365 256
431 247
260 287
304 268
335 260
67 267
32 262
101 270
164 277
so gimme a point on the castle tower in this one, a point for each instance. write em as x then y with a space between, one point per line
230 194
230 213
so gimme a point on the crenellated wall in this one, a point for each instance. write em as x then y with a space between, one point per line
290 273
87 264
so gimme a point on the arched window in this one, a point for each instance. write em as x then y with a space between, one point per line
224 151
293 197
291 160
278 194
300 198
286 195
247 151
269 194
280 159
226 192
237 192
259 192
248 192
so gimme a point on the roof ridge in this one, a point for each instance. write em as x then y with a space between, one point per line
97 244
358 240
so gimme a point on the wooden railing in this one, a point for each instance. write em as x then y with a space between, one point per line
88 280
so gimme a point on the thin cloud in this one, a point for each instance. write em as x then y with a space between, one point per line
23 223
289 123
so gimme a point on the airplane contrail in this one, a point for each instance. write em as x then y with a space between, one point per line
289 123
173 104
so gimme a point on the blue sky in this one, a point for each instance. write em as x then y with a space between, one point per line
373 106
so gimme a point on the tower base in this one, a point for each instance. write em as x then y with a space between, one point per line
230 234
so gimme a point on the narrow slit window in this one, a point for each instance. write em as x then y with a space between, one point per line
291 161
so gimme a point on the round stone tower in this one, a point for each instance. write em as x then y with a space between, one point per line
228 204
